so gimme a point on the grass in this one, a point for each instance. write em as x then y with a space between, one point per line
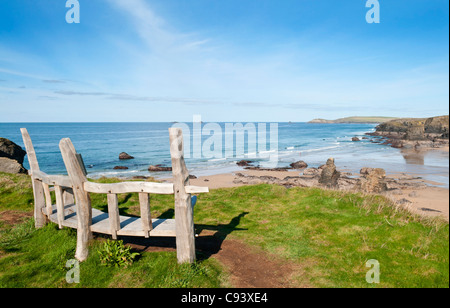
329 235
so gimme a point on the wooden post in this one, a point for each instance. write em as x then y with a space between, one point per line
146 217
184 218
113 213
48 199
59 205
68 196
38 190
83 202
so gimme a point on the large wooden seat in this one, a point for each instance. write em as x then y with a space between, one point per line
129 226
80 214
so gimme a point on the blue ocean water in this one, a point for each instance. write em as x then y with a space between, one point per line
101 143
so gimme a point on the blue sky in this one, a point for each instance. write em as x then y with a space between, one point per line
227 60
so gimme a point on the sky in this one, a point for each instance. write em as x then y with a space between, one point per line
226 60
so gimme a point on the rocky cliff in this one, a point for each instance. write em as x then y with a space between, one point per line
407 132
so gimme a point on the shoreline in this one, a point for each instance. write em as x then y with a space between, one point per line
406 190
426 200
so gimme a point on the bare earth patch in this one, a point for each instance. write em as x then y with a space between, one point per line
10 218
247 267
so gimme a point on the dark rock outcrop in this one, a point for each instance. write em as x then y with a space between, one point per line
159 168
124 156
405 133
244 163
120 168
329 176
356 139
299 165
11 157
11 150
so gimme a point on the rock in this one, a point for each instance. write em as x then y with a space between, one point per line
299 165
11 150
8 165
267 169
356 139
416 129
365 170
120 168
365 138
398 144
412 194
124 156
158 168
244 163
373 180
192 177
403 201
329 176
312 171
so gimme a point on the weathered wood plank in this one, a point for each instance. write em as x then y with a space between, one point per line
84 210
196 189
60 180
48 198
38 191
146 217
113 213
184 220
130 226
68 196
59 205
129 187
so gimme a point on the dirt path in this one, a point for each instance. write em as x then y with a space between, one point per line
248 267
10 218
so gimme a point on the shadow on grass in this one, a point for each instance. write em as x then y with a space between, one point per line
206 243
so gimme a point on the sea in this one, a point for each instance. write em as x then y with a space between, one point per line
101 143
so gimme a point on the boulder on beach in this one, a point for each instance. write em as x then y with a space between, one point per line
312 171
373 180
158 168
244 163
329 176
120 168
124 156
299 165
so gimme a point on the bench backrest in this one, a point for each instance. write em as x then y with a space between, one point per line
185 238
41 186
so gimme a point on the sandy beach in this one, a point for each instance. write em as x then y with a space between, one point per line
429 201
426 198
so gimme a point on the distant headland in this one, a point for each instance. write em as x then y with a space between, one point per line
355 120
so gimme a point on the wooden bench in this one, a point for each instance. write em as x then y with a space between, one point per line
81 216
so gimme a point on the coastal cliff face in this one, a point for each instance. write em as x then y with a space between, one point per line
417 129
424 132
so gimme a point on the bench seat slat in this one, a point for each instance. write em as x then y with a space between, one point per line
130 226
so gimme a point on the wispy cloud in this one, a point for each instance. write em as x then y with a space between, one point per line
53 81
